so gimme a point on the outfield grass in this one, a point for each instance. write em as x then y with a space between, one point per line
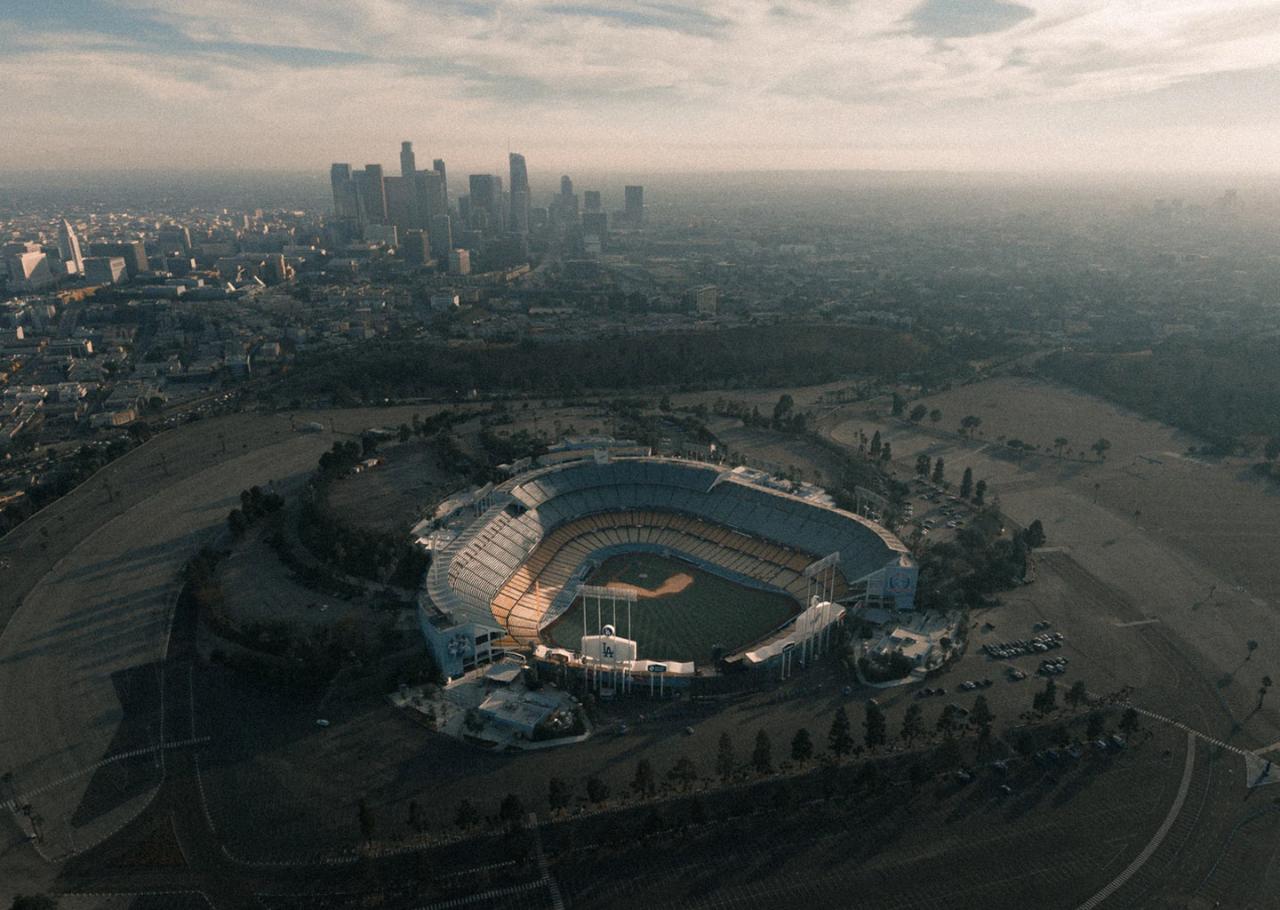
685 624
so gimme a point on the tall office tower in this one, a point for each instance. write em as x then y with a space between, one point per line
344 192
566 186
428 194
69 248
402 208
371 194
408 164
596 224
591 201
134 253
438 167
633 206
486 202
441 235
519 194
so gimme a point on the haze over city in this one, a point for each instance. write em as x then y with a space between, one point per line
1040 86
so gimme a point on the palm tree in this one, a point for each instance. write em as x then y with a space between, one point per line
1060 443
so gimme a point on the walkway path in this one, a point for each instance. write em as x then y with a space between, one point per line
1158 838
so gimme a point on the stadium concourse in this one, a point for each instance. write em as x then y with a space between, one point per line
509 560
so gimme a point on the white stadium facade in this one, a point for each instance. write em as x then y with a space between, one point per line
508 560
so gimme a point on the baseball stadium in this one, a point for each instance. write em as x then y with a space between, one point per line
657 566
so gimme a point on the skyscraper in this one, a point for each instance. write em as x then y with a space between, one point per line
591 201
407 162
438 167
428 187
486 202
441 237
633 206
69 248
402 209
566 205
519 193
344 191
371 194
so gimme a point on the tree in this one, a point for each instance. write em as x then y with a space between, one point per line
404 432
1263 689
981 717
1272 449
886 453
938 469
1250 646
873 725
415 816
1129 721
683 773
899 405
980 492
762 754
912 723
801 746
918 413
1060 443
966 483
726 764
875 446
782 410
1034 535
948 721
467 816
559 794
511 809
922 465
1096 726
644 784
840 738
368 823
1078 694
238 523
1100 448
1046 699
969 423
597 790
935 415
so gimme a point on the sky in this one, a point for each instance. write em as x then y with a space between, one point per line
1025 86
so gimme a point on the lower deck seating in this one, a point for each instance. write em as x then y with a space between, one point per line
522 602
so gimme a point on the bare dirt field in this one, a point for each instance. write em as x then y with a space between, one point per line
260 588
782 451
391 497
1182 541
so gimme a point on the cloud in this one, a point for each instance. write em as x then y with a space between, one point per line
966 18
665 16
657 82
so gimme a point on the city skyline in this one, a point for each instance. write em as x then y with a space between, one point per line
993 85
